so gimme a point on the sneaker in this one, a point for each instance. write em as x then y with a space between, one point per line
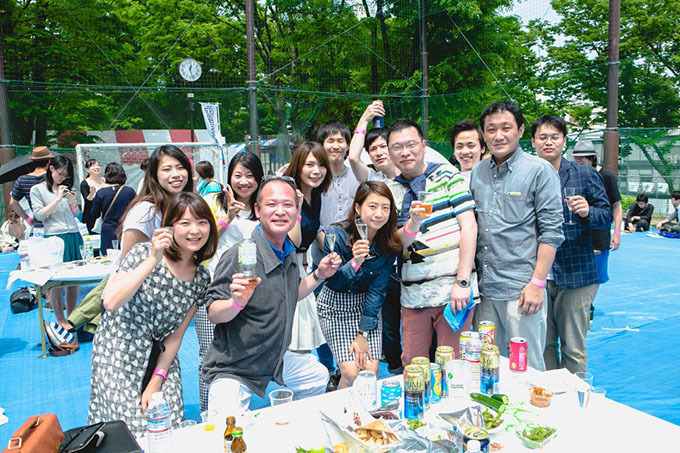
58 335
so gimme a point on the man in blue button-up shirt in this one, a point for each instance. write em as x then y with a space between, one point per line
519 218
573 279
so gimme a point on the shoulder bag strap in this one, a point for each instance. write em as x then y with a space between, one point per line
112 201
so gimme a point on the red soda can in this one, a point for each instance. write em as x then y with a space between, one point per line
518 354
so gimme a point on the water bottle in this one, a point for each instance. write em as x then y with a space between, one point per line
23 256
474 446
159 429
89 250
473 356
247 258
38 232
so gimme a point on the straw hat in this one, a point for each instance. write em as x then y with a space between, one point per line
40 153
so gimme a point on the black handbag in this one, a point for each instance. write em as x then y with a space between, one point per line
156 348
106 437
21 301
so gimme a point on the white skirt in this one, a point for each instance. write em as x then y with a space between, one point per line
307 334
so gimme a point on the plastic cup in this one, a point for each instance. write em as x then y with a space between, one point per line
208 418
114 244
278 398
187 424
424 198
583 388
597 397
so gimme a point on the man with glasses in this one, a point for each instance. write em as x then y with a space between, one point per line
436 266
573 280
519 217
253 324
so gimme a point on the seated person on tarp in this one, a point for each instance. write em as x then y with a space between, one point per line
668 225
11 231
639 215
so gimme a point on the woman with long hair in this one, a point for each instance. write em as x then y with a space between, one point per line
54 204
234 213
111 202
88 189
350 302
310 168
152 298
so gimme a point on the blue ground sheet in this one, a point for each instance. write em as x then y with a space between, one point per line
632 351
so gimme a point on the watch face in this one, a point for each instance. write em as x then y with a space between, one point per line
190 70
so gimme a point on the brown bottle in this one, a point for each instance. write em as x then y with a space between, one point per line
228 433
238 445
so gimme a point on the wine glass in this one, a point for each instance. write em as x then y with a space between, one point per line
569 193
361 228
331 242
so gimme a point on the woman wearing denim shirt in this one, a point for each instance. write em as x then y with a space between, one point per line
350 302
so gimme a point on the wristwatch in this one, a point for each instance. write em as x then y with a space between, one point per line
316 277
363 334
463 283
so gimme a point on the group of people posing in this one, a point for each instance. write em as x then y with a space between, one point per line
366 261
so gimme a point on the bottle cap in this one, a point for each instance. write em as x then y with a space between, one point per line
157 396
473 445
237 432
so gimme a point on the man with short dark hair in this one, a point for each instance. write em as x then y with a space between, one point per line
437 263
253 324
519 217
640 213
468 146
40 158
573 278
667 225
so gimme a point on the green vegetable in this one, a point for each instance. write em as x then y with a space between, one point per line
539 433
491 403
501 397
491 421
313 450
415 424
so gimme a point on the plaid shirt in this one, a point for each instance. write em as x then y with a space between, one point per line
574 265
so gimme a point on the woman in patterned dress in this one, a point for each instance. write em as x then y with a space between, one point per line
153 296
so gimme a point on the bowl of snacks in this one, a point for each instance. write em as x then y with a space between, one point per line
377 437
540 397
536 437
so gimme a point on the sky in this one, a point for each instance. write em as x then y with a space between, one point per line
534 9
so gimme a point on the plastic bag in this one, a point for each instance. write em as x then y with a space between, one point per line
45 252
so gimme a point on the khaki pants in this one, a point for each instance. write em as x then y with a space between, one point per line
568 319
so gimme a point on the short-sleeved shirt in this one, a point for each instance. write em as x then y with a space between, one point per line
430 264
22 189
602 238
143 217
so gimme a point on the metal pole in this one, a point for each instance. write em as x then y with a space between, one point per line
190 100
423 67
252 83
611 134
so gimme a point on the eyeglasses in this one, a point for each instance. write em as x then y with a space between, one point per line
410 146
553 138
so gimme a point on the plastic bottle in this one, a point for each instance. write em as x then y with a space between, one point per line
473 446
473 356
89 250
247 258
23 256
159 429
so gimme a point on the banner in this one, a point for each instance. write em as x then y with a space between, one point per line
211 115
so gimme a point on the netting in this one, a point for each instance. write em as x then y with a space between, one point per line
82 65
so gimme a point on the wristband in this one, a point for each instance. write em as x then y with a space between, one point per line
299 219
409 234
28 219
354 264
537 282
161 372
360 131
617 233
74 208
222 223
236 306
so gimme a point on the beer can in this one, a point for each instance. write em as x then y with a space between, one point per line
518 354
464 337
390 391
442 355
479 434
487 330
424 363
491 362
414 386
436 379
378 121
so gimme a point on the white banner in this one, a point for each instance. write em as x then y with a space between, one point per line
211 115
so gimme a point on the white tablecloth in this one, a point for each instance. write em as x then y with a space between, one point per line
613 427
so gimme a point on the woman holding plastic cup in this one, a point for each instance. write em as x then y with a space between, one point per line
350 302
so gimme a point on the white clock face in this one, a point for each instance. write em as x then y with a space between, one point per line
190 70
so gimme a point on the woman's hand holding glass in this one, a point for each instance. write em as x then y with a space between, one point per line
417 213
360 251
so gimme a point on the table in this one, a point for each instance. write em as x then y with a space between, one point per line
45 279
612 428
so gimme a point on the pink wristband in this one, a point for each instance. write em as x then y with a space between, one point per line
28 219
537 282
223 224
617 233
360 131
354 264
74 208
161 372
236 306
408 233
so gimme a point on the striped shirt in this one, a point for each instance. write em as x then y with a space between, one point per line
22 189
430 264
